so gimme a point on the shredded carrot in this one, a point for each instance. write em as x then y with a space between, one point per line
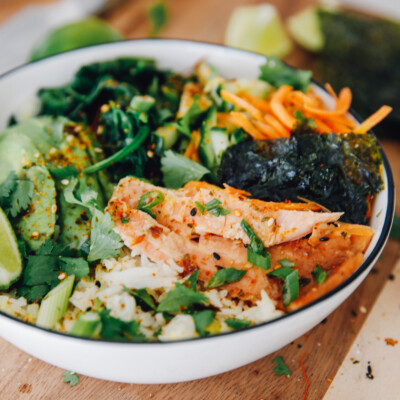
241 103
373 120
191 151
322 127
268 131
343 103
330 90
305 377
244 123
261 104
281 129
300 98
279 109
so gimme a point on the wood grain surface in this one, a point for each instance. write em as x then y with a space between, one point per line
323 348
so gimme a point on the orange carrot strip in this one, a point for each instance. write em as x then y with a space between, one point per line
342 105
241 103
301 98
281 129
241 120
321 126
340 274
267 130
279 109
330 90
261 104
373 120
191 151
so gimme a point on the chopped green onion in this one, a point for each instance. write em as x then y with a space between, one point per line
262 261
149 200
200 207
255 242
319 275
121 154
291 286
285 262
226 275
87 325
55 304
235 323
214 207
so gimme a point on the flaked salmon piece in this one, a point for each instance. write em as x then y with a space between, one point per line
179 211
328 246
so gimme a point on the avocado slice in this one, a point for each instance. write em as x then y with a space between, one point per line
38 224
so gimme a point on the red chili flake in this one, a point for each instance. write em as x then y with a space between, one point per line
391 342
305 377
321 165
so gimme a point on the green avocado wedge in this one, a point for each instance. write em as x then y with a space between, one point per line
10 258
38 224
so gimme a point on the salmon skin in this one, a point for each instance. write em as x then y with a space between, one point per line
182 234
180 212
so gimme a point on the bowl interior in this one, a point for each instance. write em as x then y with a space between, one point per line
19 87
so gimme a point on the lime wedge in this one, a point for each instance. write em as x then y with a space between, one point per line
10 259
258 28
305 27
83 33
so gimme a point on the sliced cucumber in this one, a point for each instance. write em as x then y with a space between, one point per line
55 304
219 141
169 135
254 87
87 325
206 150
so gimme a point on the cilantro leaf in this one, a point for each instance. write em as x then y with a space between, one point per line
142 297
226 275
319 275
277 73
178 170
235 323
181 297
33 293
158 14
71 378
281 368
291 286
7 187
74 266
104 241
41 270
191 282
116 329
202 319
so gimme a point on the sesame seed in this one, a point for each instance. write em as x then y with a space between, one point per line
65 182
62 276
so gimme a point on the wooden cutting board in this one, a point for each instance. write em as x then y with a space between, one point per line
323 349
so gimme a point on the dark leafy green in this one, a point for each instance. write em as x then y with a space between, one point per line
191 282
337 171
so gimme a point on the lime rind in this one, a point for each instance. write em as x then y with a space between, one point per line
10 257
305 28
258 28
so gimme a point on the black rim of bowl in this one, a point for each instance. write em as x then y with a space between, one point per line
362 268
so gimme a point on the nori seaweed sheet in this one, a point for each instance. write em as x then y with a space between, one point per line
337 171
363 53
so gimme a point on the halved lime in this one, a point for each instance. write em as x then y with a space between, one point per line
258 28
305 27
10 259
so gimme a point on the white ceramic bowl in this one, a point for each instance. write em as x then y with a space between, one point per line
195 358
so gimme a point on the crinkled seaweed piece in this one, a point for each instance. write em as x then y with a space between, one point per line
337 171
363 53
